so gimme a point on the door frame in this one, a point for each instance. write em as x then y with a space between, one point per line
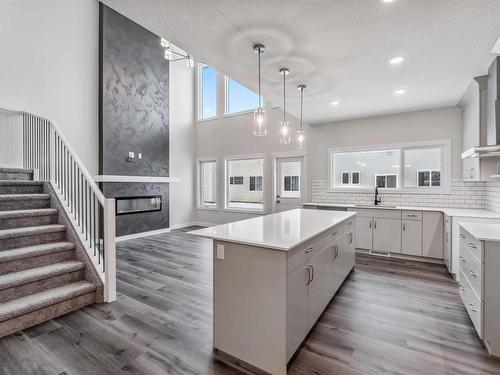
304 177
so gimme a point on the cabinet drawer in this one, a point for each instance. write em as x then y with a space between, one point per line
474 245
472 269
472 304
299 256
411 215
377 212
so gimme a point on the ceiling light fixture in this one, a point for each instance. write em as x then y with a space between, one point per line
396 60
399 91
335 102
301 136
259 115
284 129
387 1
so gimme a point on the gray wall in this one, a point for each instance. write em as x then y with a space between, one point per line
134 115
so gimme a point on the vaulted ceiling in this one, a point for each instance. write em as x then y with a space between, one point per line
339 48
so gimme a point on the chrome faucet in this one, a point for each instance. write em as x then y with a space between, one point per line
377 197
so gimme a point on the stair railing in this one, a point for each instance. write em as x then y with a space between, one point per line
49 154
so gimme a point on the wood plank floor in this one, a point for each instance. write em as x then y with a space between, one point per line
390 317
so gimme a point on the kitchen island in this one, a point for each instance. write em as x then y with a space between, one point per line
273 277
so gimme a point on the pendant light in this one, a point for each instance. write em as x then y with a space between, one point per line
259 115
301 136
285 137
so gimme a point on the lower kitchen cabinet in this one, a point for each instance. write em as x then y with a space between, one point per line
411 237
387 235
297 323
364 236
432 235
321 286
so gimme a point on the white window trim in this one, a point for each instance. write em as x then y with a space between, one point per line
199 95
199 206
226 183
445 187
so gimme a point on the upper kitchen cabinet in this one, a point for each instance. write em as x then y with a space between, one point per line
474 114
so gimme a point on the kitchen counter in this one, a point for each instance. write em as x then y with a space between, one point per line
280 231
483 231
464 212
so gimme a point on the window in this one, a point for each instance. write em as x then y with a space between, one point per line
237 180
423 167
207 182
345 178
292 183
248 195
255 183
355 178
208 93
386 181
239 98
417 166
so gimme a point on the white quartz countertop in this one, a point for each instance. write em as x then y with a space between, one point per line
463 212
280 231
483 231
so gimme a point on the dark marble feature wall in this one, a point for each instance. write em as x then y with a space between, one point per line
133 115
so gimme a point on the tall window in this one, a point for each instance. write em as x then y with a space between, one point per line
420 167
207 182
207 93
239 98
249 194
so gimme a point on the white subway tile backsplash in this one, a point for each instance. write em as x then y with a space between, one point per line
463 195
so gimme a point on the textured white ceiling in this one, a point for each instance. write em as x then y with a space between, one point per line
338 48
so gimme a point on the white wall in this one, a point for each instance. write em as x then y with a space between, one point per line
49 66
182 144
233 136
442 123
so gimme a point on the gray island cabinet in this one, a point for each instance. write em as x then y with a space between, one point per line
273 277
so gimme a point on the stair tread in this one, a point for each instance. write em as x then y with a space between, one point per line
33 302
20 182
15 170
29 231
34 251
27 213
12 279
23 197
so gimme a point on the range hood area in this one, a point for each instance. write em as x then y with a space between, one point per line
492 146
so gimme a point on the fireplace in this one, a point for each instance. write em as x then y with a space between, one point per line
134 205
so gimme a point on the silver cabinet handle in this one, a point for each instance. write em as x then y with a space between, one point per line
471 306
375 224
461 288
309 249
462 235
370 224
462 259
334 251
473 246
312 269
335 233
308 275
447 236
349 223
411 215
472 273
404 226
351 237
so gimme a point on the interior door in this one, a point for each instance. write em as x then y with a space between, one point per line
289 183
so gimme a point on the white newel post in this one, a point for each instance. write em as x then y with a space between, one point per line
110 251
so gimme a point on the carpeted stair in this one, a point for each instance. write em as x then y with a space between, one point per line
41 276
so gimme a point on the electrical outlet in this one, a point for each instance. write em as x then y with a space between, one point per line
139 155
131 154
220 252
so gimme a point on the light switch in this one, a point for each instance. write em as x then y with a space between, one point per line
220 252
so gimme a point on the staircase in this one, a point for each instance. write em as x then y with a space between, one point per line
42 273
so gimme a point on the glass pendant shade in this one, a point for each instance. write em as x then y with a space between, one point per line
259 122
301 137
285 137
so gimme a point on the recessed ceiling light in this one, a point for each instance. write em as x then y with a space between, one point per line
387 1
335 102
399 91
396 60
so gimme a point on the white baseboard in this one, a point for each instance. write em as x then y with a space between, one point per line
142 234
